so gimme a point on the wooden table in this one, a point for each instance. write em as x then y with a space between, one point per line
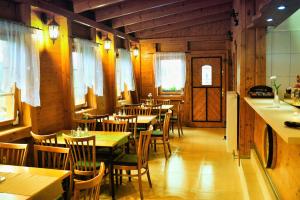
167 107
104 139
31 183
142 119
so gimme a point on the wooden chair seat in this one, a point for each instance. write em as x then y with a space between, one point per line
126 159
157 133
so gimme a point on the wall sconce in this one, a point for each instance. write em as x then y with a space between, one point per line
235 15
107 43
135 51
53 30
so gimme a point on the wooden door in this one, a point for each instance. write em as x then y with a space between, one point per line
207 92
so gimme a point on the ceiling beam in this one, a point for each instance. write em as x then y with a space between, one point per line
78 18
172 19
84 5
130 7
182 25
164 11
189 38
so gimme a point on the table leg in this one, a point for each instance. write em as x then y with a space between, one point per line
111 174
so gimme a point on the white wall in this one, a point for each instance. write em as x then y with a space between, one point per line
283 52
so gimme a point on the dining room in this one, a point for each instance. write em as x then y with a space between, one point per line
140 99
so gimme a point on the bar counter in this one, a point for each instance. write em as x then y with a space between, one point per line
276 117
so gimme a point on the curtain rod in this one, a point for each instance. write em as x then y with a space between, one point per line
20 24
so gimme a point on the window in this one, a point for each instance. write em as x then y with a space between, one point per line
170 72
80 101
206 74
7 98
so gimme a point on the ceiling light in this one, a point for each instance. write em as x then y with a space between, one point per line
269 20
281 7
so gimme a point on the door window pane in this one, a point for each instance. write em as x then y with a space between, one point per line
206 74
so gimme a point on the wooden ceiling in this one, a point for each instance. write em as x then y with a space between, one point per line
146 19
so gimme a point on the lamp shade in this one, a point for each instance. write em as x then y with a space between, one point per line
135 51
53 30
107 44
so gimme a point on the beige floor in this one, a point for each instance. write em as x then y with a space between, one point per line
199 168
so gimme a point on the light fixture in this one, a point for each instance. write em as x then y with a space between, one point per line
107 43
235 15
135 51
281 7
53 30
269 20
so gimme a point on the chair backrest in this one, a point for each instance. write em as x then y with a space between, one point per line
13 154
47 140
156 110
166 125
99 119
89 123
143 147
90 189
143 111
131 123
163 101
51 157
83 154
113 125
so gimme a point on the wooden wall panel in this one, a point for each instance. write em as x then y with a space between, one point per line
286 174
207 45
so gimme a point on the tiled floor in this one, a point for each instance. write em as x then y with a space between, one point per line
199 168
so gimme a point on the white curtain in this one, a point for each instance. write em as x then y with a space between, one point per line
89 65
124 71
169 69
21 63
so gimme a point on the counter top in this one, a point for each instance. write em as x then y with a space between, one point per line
276 117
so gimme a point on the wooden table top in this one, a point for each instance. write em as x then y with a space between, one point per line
103 138
142 119
167 107
30 182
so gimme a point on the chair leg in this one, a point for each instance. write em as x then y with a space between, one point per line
154 145
178 128
165 150
140 184
169 147
121 172
129 178
117 178
149 179
172 127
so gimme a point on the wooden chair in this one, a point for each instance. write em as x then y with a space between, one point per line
163 101
143 111
163 135
13 154
90 189
177 118
51 157
136 162
131 125
47 140
99 120
82 123
114 126
83 155
156 110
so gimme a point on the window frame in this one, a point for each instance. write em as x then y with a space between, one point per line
86 104
162 92
16 101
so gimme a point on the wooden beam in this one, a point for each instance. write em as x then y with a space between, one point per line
190 39
130 7
164 11
84 5
172 19
182 25
78 18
